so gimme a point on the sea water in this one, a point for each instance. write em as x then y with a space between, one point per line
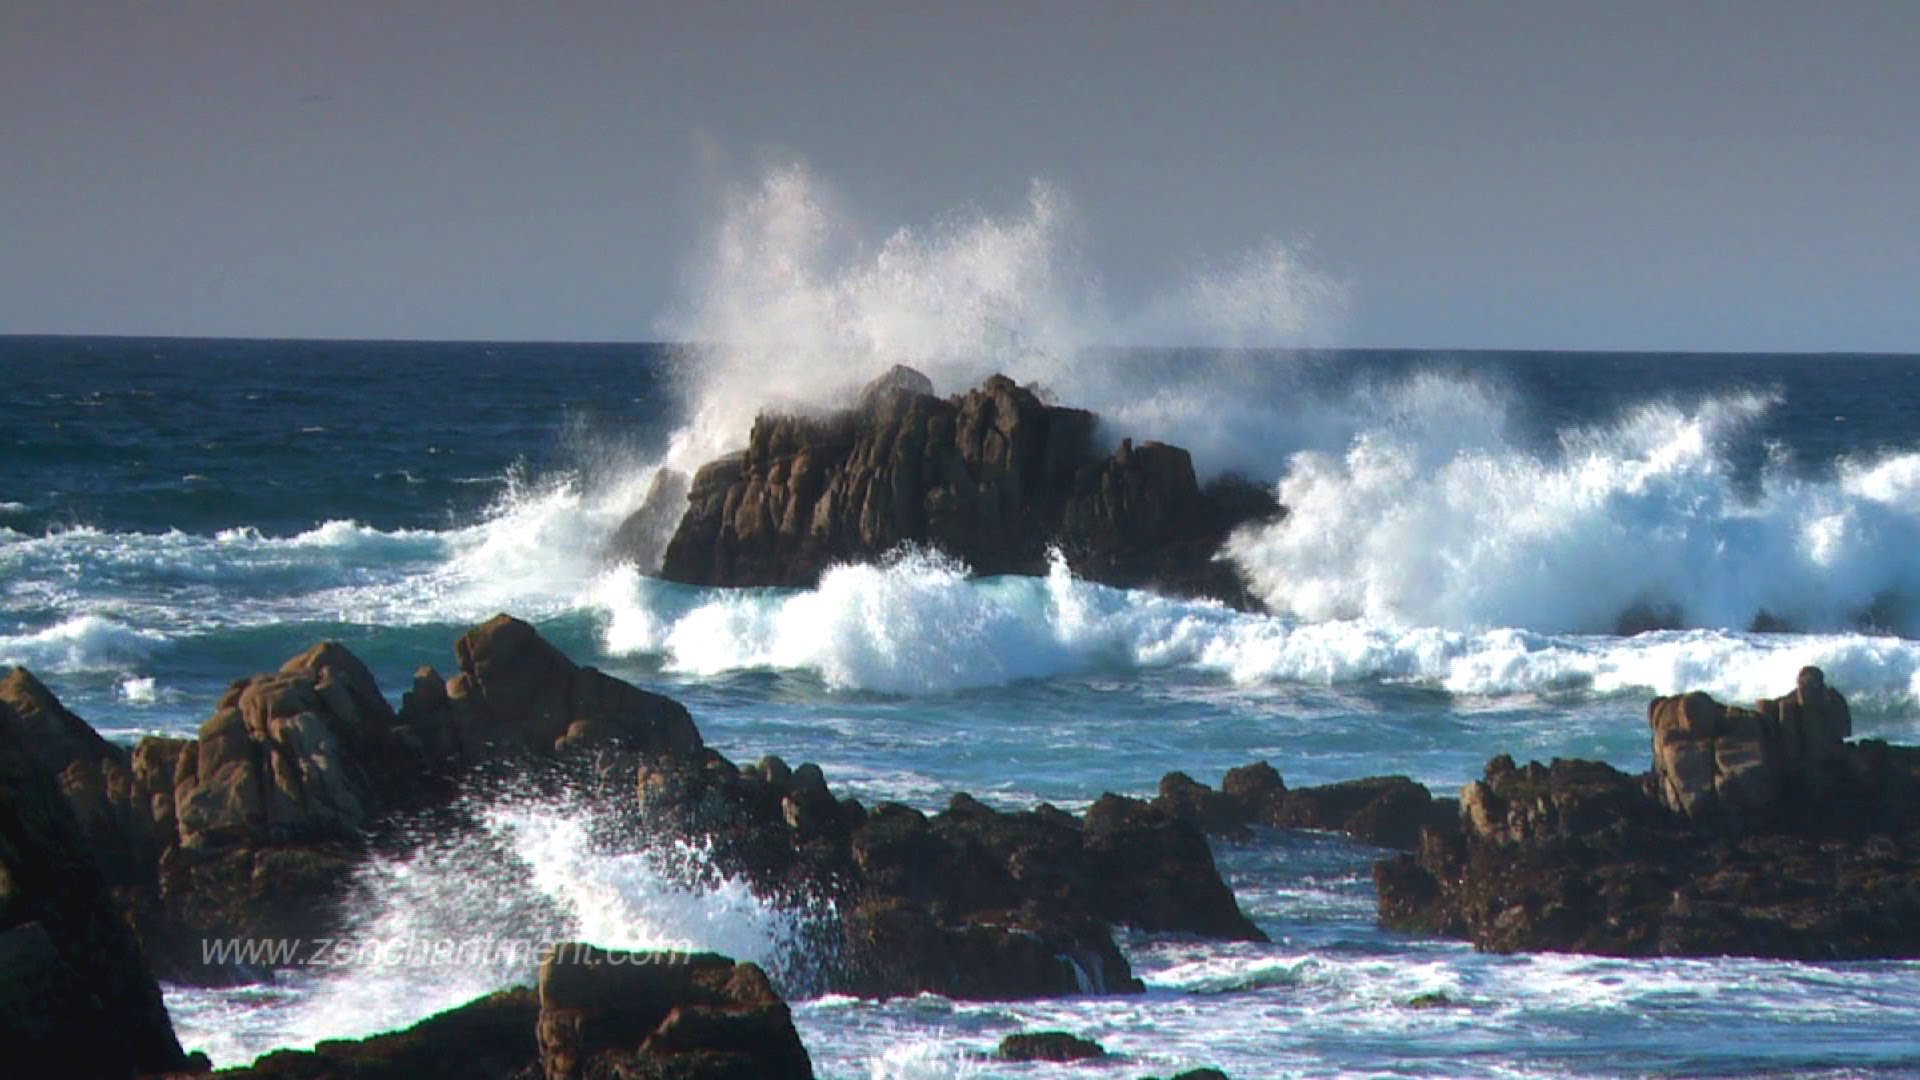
1471 534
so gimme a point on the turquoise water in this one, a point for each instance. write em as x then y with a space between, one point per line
1470 530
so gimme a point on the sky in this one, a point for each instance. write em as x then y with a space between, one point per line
1687 175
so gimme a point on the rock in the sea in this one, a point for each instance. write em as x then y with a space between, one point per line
1738 768
516 693
695 1016
76 997
1057 1046
994 477
1758 832
1388 811
597 1014
972 902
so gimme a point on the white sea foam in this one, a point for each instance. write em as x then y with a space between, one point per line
918 625
1441 519
536 873
81 643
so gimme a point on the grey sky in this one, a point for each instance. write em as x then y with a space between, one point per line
1686 175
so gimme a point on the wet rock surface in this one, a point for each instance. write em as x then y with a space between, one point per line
972 902
994 477
597 1014
1757 833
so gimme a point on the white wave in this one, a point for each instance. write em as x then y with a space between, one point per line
919 625
140 690
79 644
1439 519
795 308
463 916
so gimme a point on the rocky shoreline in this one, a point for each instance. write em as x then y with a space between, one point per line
1760 832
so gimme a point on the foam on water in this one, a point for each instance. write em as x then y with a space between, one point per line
917 624
1444 519
464 915
83 643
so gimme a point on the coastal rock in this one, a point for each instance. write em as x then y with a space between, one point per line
76 997
96 777
1737 768
693 1016
972 902
1388 811
1057 1046
1577 856
994 477
516 693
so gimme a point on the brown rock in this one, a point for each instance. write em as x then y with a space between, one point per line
994 477
687 1015
76 998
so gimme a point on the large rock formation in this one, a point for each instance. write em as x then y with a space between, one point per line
1758 832
76 997
252 830
257 826
994 477
971 902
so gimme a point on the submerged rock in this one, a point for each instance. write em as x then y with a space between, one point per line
1740 841
1048 1046
994 477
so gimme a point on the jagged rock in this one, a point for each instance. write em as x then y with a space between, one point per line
1736 767
994 477
971 902
1580 857
517 693
1388 811
1048 1046
96 777
692 1016
1156 872
76 998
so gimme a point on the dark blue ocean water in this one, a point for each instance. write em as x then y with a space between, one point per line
1470 530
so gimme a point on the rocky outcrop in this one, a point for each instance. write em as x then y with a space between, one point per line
76 997
1387 811
96 777
994 477
971 902
252 830
695 1016
1735 767
1747 838
491 1038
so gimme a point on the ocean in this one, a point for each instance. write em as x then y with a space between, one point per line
1477 546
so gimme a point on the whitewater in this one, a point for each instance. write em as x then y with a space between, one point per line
1484 553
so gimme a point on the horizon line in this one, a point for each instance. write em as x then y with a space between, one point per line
659 343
